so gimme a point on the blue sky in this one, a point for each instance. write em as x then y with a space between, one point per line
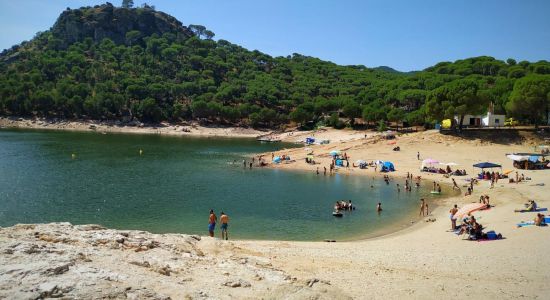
405 34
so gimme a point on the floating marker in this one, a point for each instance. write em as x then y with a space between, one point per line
140 152
73 156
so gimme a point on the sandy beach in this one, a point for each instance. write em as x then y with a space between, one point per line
424 261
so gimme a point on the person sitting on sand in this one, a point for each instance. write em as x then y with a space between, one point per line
531 205
438 188
539 220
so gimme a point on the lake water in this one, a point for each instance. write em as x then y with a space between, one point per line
174 183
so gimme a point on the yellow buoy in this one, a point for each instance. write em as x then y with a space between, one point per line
73 156
140 152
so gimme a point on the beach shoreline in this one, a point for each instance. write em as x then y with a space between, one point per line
193 129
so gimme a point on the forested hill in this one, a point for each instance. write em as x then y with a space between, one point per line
114 63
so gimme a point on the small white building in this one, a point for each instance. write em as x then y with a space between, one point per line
488 120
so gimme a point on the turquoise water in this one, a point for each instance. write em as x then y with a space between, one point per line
174 183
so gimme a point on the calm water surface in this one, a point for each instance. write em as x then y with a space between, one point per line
174 183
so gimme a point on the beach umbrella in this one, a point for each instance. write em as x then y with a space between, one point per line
379 162
334 152
467 209
487 165
430 161
449 164
506 172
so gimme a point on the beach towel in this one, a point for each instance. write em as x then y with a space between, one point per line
537 210
523 224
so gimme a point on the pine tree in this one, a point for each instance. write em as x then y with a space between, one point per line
127 3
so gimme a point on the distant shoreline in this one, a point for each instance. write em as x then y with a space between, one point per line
171 129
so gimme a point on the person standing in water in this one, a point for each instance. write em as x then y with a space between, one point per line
224 219
422 207
427 210
379 207
417 155
212 223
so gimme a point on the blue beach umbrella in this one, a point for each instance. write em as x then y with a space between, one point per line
334 152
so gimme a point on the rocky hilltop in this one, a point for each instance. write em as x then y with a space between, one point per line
108 21
60 260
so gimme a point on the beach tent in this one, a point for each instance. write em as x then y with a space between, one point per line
388 165
517 157
340 162
467 209
378 162
360 161
487 165
277 159
310 140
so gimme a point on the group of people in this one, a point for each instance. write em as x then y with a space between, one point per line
343 205
424 211
471 227
470 189
446 171
518 178
224 219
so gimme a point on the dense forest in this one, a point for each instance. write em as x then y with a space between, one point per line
125 63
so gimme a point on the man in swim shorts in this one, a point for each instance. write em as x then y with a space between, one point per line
452 212
224 219
212 223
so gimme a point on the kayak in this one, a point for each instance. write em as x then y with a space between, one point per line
435 192
337 214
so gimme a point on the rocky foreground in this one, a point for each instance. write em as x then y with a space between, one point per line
61 260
